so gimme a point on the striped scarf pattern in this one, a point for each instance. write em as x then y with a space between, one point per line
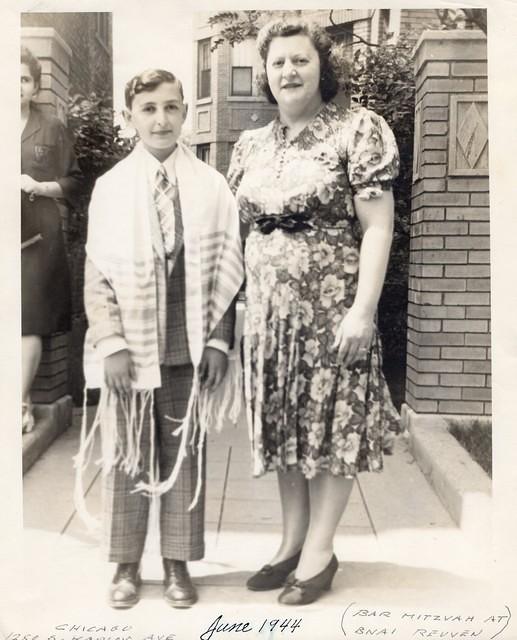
120 244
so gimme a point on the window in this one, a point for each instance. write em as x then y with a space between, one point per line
203 152
103 28
242 82
245 64
203 68
385 24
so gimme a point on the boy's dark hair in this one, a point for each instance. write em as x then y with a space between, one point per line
28 58
149 80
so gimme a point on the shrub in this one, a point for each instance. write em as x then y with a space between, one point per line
382 79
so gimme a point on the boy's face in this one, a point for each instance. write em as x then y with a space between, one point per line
158 116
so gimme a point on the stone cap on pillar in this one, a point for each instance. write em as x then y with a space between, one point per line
45 42
467 44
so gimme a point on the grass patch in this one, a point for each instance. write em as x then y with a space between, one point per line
476 438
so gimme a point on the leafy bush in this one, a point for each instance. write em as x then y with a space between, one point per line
98 146
382 79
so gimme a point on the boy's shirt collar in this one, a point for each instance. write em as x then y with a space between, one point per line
152 165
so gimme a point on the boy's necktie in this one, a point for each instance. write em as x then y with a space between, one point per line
164 192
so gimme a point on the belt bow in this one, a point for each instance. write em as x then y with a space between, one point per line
290 222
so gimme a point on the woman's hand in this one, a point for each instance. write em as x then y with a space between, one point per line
212 368
119 371
354 336
35 188
29 185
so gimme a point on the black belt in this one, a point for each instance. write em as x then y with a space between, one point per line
290 222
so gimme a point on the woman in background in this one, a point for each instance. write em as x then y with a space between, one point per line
315 187
49 170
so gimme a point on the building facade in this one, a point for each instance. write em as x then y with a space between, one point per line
75 50
226 100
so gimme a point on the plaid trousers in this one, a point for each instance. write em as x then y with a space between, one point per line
126 514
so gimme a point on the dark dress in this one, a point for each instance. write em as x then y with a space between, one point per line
305 408
46 155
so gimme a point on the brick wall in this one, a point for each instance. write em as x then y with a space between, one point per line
449 286
90 63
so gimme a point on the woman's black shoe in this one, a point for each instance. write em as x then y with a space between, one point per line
273 576
306 591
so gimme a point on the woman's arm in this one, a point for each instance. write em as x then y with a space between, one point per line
69 179
45 189
356 330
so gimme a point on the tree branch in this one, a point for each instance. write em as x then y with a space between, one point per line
354 35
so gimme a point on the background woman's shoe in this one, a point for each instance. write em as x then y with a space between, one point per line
27 417
273 576
124 591
179 589
300 592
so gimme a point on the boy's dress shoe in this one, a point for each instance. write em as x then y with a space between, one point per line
124 591
300 592
273 576
179 590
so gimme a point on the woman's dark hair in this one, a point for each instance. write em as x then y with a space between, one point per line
28 58
283 28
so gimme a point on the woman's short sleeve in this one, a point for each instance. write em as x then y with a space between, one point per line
238 161
372 155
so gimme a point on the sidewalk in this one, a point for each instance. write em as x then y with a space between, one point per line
396 544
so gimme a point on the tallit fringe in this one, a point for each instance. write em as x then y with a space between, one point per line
206 412
129 459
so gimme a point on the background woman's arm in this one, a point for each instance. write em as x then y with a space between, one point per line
45 189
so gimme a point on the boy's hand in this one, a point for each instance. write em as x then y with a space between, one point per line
119 371
212 368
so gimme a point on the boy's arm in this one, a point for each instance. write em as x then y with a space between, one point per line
106 331
103 313
214 361
222 337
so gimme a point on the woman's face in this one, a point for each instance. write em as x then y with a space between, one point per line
28 88
293 72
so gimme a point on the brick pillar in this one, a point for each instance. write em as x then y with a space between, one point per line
55 55
448 346
51 382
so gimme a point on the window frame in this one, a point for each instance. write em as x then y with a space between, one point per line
204 55
232 84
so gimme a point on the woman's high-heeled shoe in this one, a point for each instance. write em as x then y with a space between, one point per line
273 576
299 592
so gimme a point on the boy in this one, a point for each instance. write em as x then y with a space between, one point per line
164 265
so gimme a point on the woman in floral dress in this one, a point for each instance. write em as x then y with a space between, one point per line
315 187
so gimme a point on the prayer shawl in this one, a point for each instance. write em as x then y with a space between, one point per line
120 245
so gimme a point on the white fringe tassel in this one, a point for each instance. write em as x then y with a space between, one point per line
206 412
114 454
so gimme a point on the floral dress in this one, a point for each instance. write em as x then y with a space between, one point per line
306 410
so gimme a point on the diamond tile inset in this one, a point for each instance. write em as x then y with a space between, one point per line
472 135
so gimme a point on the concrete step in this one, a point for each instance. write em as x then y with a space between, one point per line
51 420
